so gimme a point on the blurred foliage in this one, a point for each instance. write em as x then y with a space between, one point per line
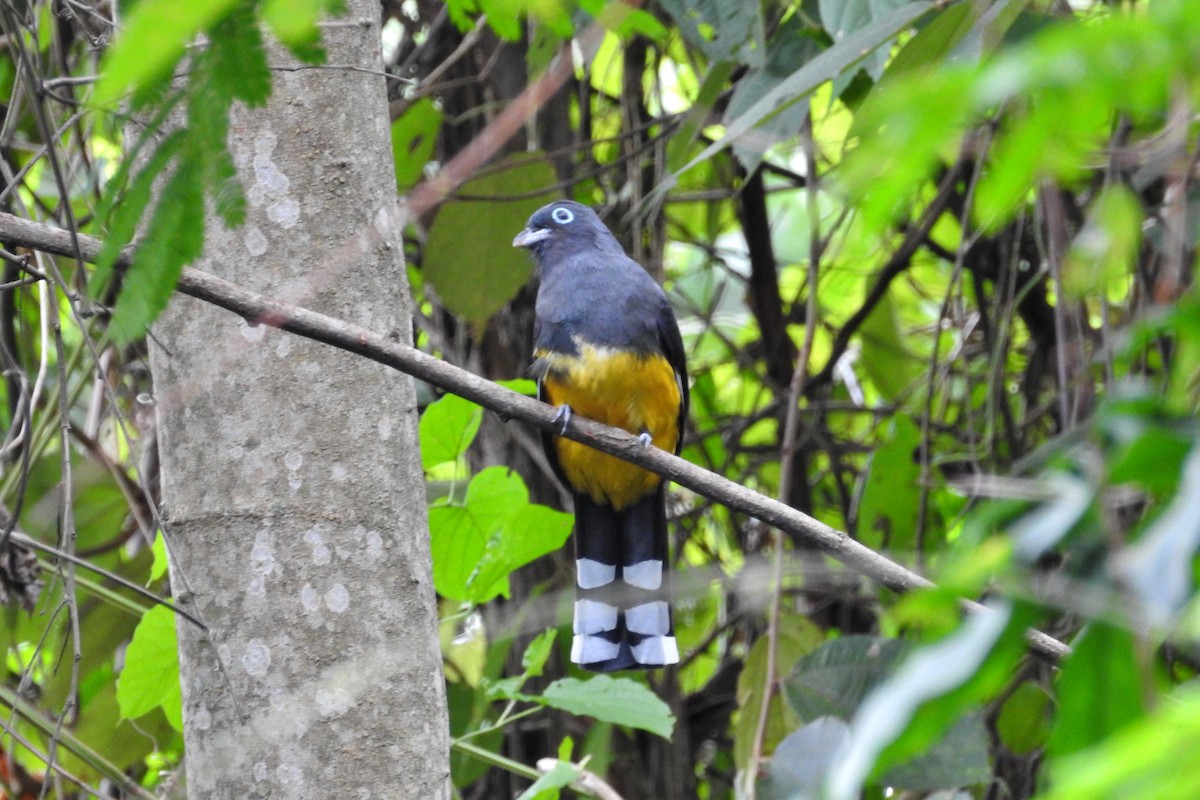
958 239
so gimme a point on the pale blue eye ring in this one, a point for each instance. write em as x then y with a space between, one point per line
562 216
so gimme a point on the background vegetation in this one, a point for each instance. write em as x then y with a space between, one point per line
934 267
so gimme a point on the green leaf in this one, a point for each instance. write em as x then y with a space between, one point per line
239 59
530 533
504 16
1153 459
129 209
803 81
523 386
886 358
625 20
562 775
1103 664
459 533
931 45
834 678
959 759
790 47
891 498
414 135
802 760
1151 759
150 678
153 40
294 23
843 18
620 701
951 672
161 559
1023 723
538 652
174 238
447 428
797 636
722 30
476 275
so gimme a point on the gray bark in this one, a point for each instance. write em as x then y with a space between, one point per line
292 489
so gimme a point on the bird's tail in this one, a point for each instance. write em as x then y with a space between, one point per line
623 589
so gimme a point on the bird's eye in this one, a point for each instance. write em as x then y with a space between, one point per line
562 215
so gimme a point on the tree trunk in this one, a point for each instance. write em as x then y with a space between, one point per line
292 488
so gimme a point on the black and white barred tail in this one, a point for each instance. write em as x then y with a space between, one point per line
623 594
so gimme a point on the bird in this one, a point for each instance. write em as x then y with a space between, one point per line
606 346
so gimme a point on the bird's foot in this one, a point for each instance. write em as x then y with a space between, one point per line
564 416
645 439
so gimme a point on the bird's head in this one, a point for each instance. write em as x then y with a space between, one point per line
562 222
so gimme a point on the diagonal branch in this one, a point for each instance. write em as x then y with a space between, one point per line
900 260
257 309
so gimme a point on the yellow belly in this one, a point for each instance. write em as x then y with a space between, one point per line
630 391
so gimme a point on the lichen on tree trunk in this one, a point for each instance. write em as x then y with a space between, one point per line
292 488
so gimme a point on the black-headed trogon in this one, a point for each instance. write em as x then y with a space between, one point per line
607 347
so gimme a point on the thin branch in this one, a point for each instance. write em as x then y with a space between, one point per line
899 262
257 309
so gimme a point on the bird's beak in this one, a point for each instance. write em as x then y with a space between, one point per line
530 236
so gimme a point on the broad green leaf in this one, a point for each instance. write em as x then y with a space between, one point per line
891 498
797 636
803 81
1023 723
1154 758
789 48
459 532
447 428
1153 460
724 31
414 135
620 701
530 533
833 679
887 360
931 45
1103 664
951 666
504 16
469 257
153 40
150 678
959 759
843 18
802 760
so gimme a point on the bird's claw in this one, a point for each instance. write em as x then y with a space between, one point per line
564 416
645 439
